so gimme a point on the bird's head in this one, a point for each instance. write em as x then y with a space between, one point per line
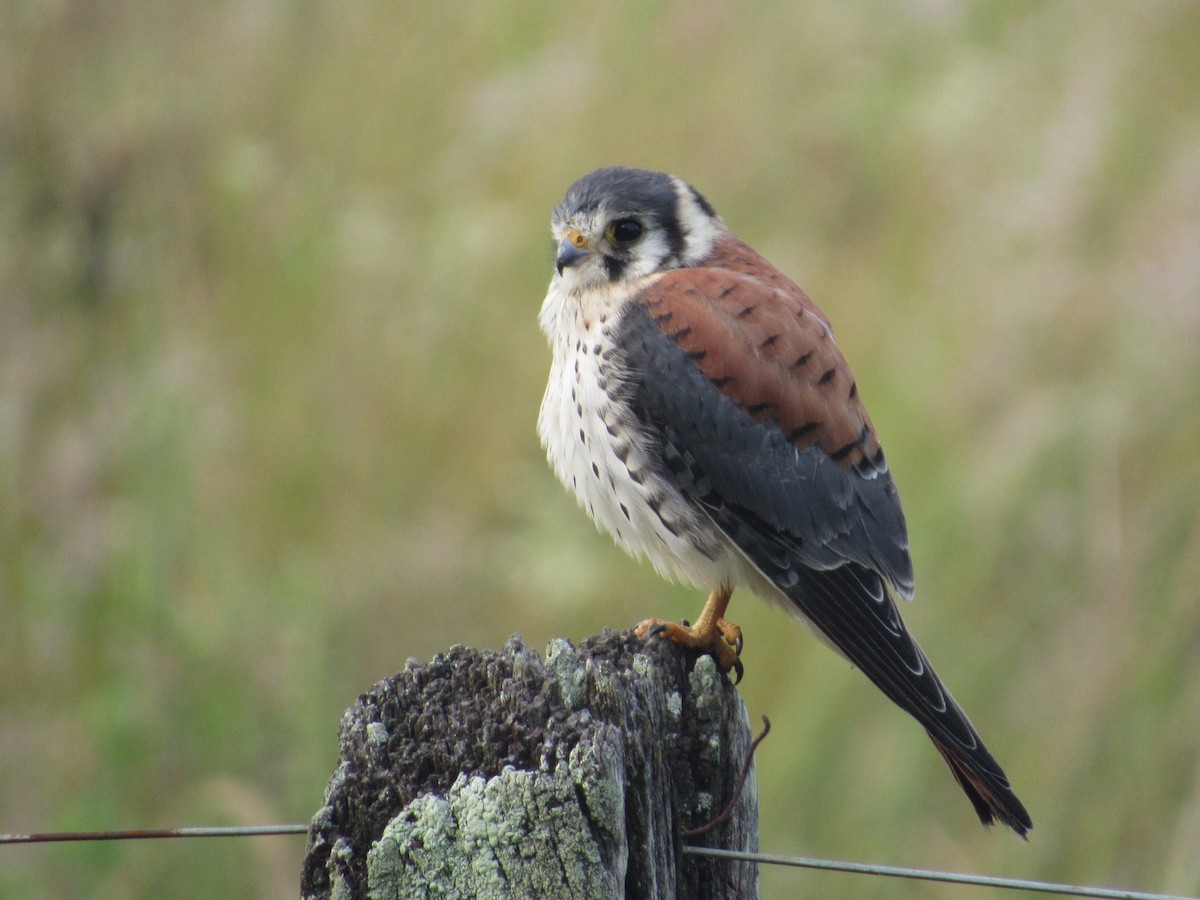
618 225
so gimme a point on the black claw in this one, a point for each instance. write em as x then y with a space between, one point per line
659 627
737 645
738 669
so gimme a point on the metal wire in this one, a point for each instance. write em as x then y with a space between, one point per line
1011 884
138 834
766 859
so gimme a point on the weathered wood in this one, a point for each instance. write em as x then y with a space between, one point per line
498 774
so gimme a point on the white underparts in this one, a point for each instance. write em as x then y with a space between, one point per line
596 449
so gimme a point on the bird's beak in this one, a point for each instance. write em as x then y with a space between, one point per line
571 249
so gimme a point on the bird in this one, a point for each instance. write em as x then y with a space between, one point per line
703 416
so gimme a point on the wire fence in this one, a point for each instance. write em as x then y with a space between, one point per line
141 834
764 859
1010 884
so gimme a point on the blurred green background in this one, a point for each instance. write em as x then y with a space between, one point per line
269 372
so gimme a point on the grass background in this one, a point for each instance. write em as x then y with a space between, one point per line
269 371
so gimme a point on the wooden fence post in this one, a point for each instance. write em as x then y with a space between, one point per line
500 774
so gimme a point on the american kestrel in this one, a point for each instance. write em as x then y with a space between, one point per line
702 414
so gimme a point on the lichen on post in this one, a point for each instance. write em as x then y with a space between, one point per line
500 774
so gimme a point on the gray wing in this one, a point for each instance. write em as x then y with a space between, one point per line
826 534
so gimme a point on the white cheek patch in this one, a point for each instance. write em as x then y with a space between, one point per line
700 229
649 256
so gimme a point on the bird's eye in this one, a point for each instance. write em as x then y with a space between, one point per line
625 231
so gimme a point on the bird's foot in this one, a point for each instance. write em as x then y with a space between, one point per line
718 638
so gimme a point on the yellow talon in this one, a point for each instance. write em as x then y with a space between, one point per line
712 633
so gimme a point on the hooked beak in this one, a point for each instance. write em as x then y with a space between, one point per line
571 249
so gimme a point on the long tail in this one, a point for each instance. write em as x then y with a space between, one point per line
851 607
991 801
